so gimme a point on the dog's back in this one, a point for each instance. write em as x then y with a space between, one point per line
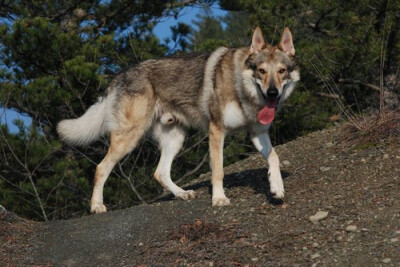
175 83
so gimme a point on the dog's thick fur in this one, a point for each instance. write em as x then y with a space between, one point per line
217 92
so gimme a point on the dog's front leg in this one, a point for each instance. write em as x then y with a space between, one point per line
217 136
263 144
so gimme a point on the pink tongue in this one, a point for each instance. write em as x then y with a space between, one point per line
267 114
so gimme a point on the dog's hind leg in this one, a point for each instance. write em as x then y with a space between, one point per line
121 143
132 119
170 139
263 144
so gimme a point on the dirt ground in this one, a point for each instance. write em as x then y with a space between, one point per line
358 188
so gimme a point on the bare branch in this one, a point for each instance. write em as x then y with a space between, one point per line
191 147
131 184
195 169
351 81
28 173
328 95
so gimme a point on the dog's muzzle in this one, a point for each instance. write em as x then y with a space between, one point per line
272 92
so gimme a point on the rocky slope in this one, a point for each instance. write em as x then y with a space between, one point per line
353 195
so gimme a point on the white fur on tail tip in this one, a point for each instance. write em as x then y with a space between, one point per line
87 128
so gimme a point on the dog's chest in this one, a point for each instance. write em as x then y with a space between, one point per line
233 115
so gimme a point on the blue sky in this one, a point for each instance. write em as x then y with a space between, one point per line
162 30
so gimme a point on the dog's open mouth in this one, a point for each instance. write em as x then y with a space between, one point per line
267 114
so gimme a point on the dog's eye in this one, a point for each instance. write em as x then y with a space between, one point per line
262 71
282 70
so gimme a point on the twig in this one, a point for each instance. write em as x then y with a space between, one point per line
131 185
191 147
328 95
199 165
29 174
369 85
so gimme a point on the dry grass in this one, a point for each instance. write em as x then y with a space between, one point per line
371 130
14 233
200 242
364 130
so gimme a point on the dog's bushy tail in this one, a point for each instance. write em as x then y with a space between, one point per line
87 128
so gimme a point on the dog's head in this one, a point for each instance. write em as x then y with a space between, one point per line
272 70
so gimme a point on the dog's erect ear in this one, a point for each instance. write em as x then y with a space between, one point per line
286 43
257 42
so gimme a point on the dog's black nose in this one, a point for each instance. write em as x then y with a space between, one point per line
272 92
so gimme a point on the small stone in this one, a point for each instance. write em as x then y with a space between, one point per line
394 240
324 169
329 144
305 248
140 244
315 245
286 163
254 259
284 206
385 156
3 212
314 256
320 215
386 260
351 228
211 264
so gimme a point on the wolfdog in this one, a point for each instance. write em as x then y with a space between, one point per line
226 90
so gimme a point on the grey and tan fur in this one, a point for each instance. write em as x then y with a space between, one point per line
218 93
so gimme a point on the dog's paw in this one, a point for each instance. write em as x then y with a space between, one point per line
186 195
221 201
98 208
277 192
